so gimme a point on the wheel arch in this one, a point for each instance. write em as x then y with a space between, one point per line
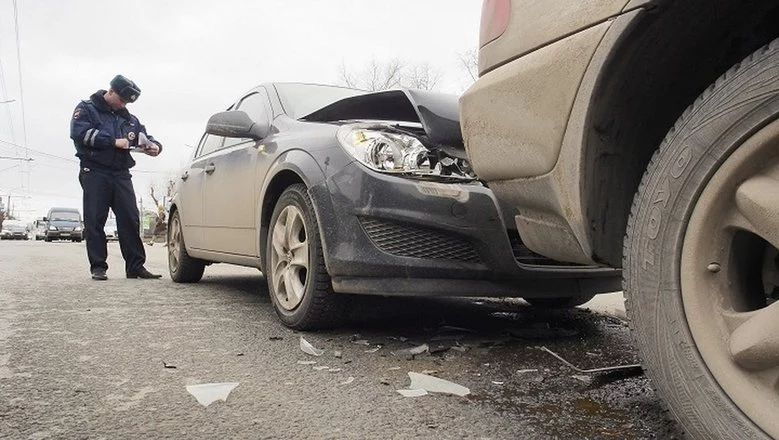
293 167
654 71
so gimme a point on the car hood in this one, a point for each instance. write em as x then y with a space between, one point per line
437 112
65 223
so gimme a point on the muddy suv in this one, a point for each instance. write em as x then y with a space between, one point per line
644 135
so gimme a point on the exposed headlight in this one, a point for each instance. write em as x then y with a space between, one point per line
398 153
77 229
52 228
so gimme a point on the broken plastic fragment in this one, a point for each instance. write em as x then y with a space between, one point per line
306 362
436 385
335 370
338 354
497 382
413 393
373 350
321 367
393 368
208 393
528 370
309 349
167 365
361 342
412 351
348 381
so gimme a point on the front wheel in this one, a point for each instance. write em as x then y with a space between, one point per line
298 282
701 267
182 267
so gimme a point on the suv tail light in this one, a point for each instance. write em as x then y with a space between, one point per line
494 20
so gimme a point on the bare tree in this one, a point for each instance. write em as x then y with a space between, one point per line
470 63
386 75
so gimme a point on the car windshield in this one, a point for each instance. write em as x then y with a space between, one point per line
13 226
300 100
64 216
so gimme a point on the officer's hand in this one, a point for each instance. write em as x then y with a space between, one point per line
122 143
152 150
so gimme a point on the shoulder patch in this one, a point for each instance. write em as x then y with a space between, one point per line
77 113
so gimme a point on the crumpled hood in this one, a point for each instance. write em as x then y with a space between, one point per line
437 112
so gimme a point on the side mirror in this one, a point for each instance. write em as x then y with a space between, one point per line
236 124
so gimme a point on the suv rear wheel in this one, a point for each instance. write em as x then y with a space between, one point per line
701 268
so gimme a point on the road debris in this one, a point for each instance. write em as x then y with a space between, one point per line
306 362
411 352
497 382
321 367
338 354
527 370
413 393
348 381
630 367
276 338
335 370
167 365
373 350
436 385
310 349
393 368
361 342
208 393
384 381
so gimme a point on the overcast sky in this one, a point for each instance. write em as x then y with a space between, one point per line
191 59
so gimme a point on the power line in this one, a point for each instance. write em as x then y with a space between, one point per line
39 152
19 66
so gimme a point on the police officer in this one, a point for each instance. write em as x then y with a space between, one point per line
105 133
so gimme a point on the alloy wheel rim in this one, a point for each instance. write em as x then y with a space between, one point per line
289 260
174 243
730 277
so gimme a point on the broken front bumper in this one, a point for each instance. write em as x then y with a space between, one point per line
389 235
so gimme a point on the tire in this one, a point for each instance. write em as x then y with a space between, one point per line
692 271
182 267
559 303
298 283
47 240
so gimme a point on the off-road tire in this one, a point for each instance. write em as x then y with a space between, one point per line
320 307
743 100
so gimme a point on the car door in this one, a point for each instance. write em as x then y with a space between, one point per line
231 187
190 192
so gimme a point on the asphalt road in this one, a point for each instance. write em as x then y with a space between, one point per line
87 359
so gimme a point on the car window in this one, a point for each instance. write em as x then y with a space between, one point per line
209 144
300 100
256 106
67 216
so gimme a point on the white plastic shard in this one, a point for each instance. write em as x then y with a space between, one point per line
310 349
306 362
208 393
413 393
348 381
436 385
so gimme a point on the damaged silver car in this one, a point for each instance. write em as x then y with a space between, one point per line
332 191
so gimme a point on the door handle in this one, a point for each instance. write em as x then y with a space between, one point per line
210 168
185 176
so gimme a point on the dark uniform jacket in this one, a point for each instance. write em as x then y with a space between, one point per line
94 129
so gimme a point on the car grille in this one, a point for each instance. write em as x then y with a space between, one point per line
413 241
524 255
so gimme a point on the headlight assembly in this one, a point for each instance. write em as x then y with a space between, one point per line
389 151
52 228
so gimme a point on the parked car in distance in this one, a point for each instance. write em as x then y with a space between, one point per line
64 224
13 230
110 229
39 227
644 135
331 190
